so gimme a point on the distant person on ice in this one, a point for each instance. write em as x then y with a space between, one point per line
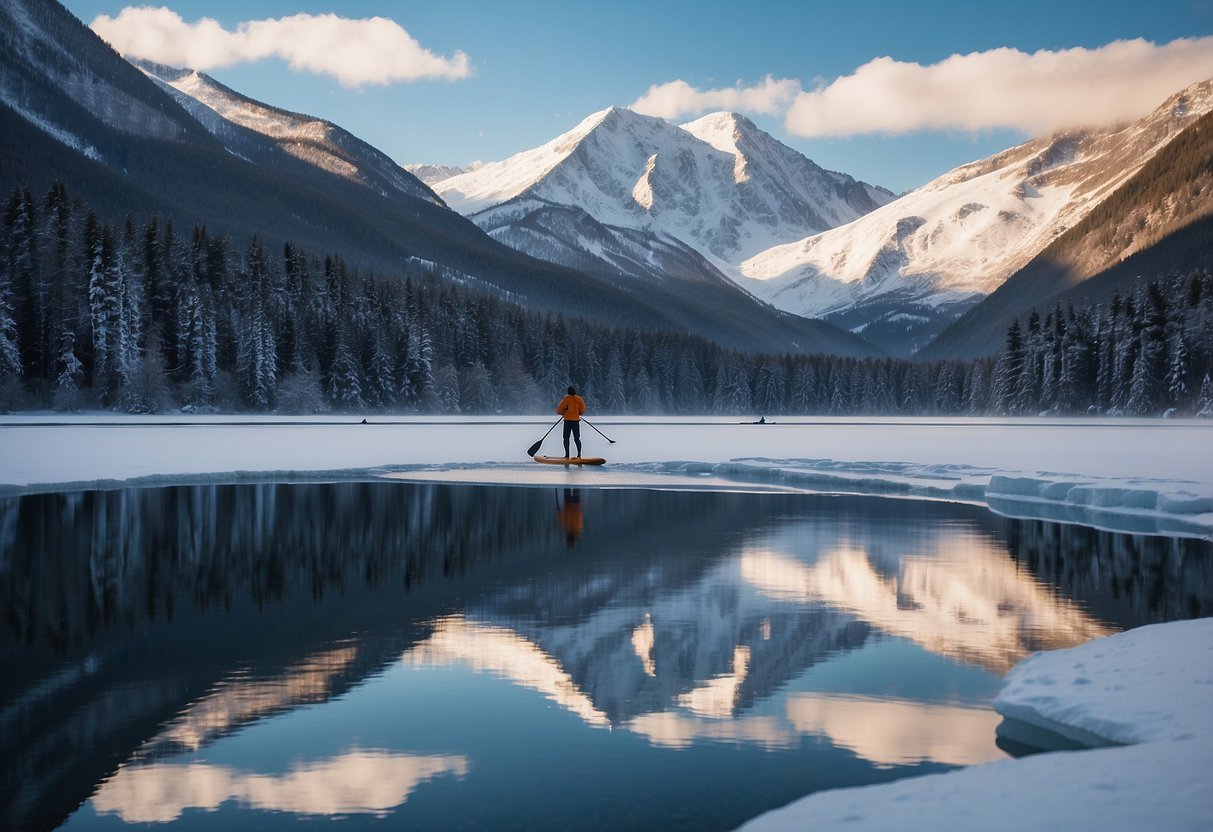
571 407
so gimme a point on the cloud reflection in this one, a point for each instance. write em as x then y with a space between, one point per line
891 732
359 782
673 729
886 732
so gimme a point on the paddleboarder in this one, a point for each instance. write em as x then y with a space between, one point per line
571 407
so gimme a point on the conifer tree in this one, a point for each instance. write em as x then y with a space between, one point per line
1010 368
1204 401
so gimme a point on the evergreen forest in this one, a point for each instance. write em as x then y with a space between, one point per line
139 318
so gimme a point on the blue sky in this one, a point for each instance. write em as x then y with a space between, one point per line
537 67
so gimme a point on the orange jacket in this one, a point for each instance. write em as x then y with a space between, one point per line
571 408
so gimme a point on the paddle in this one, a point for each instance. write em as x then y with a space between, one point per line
531 450
600 433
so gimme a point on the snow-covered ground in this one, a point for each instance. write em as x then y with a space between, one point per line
1135 475
1152 686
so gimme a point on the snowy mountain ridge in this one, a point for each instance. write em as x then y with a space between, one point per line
719 184
907 267
313 140
429 174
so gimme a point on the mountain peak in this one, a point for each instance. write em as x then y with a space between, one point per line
723 130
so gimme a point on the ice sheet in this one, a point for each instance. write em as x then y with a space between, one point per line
1134 475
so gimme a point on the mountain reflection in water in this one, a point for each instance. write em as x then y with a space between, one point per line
144 627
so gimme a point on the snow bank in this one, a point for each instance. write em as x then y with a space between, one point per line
1146 685
1157 786
932 481
1145 476
1139 505
1153 686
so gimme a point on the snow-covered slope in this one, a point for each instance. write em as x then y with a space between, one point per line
313 140
57 75
568 235
429 174
718 184
942 247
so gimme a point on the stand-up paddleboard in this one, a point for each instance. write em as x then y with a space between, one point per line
574 460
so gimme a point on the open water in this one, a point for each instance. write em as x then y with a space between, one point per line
391 655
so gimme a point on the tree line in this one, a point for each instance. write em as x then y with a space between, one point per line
1141 354
139 318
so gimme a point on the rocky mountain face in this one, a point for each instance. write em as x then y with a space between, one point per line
1159 221
901 273
719 185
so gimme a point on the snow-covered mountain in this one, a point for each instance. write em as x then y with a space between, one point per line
903 271
1158 222
719 185
316 141
429 174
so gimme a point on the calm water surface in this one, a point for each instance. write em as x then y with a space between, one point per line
404 656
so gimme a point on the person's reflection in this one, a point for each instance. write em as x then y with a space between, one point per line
569 515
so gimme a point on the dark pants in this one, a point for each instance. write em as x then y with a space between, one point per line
574 428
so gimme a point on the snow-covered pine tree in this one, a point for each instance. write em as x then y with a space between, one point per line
914 392
10 352
381 376
519 392
689 393
445 391
1149 371
947 390
54 237
643 397
257 362
1105 355
345 383
869 403
104 296
21 266
70 373
1073 393
614 395
1204 401
476 392
1177 370
977 397
130 307
1008 370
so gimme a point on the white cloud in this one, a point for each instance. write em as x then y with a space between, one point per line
678 98
372 50
1004 88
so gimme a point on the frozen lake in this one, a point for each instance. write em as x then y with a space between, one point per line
1143 475
396 654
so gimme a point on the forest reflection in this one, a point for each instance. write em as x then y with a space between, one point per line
680 617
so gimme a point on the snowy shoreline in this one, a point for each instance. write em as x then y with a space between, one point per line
1137 476
1147 688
